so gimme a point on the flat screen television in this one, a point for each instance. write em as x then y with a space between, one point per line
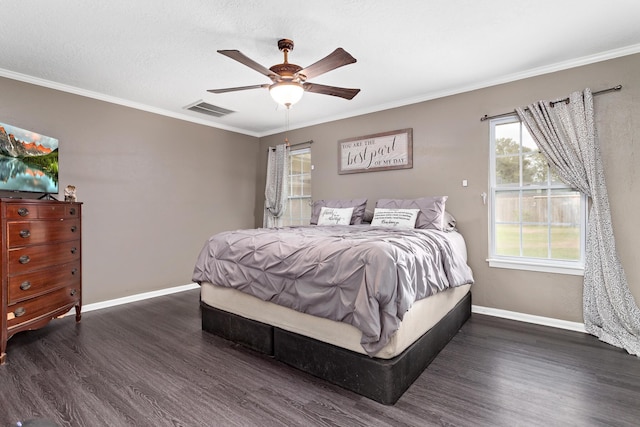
28 161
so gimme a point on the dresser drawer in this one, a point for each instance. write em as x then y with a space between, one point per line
58 211
28 285
39 307
20 210
29 258
22 233
42 210
72 211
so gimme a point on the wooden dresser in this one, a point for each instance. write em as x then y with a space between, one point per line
40 264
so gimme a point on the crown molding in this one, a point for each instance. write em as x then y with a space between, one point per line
560 66
119 101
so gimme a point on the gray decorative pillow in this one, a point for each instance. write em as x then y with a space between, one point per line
431 210
449 222
368 216
358 205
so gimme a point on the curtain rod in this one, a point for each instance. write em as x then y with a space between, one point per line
302 143
552 103
294 145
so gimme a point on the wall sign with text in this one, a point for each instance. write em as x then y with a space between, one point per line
379 152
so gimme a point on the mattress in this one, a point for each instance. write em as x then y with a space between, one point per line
421 317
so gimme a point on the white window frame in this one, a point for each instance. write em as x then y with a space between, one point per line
296 197
523 262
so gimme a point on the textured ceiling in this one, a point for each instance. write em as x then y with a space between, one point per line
160 55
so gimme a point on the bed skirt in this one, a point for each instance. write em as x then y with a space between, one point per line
382 380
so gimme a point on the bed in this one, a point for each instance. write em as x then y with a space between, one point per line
366 307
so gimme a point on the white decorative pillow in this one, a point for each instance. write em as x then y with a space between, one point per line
431 209
358 205
335 216
398 218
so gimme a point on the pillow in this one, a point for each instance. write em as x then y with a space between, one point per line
449 222
367 217
397 218
431 209
358 205
335 216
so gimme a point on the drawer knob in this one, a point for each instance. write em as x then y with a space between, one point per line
23 211
20 311
25 233
74 250
25 285
24 259
72 211
73 292
74 228
74 271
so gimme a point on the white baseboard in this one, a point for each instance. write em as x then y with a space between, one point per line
138 297
529 318
505 314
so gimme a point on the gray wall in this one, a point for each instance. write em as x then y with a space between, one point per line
451 144
154 188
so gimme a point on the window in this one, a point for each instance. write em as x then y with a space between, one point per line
537 221
299 208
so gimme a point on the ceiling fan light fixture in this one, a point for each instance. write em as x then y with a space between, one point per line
286 93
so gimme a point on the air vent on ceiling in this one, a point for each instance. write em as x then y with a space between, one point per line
209 109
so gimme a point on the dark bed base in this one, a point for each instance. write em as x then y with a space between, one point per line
383 380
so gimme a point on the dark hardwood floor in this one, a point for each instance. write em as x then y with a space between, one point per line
149 364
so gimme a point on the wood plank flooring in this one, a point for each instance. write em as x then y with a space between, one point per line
149 364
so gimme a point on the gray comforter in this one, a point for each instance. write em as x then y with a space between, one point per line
365 276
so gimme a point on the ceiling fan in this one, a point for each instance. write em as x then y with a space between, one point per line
289 81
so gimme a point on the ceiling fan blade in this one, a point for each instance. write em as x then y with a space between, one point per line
243 59
335 59
234 89
331 90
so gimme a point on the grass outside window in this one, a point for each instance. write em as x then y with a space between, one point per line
563 241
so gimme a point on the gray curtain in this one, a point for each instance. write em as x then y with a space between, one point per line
565 134
277 189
